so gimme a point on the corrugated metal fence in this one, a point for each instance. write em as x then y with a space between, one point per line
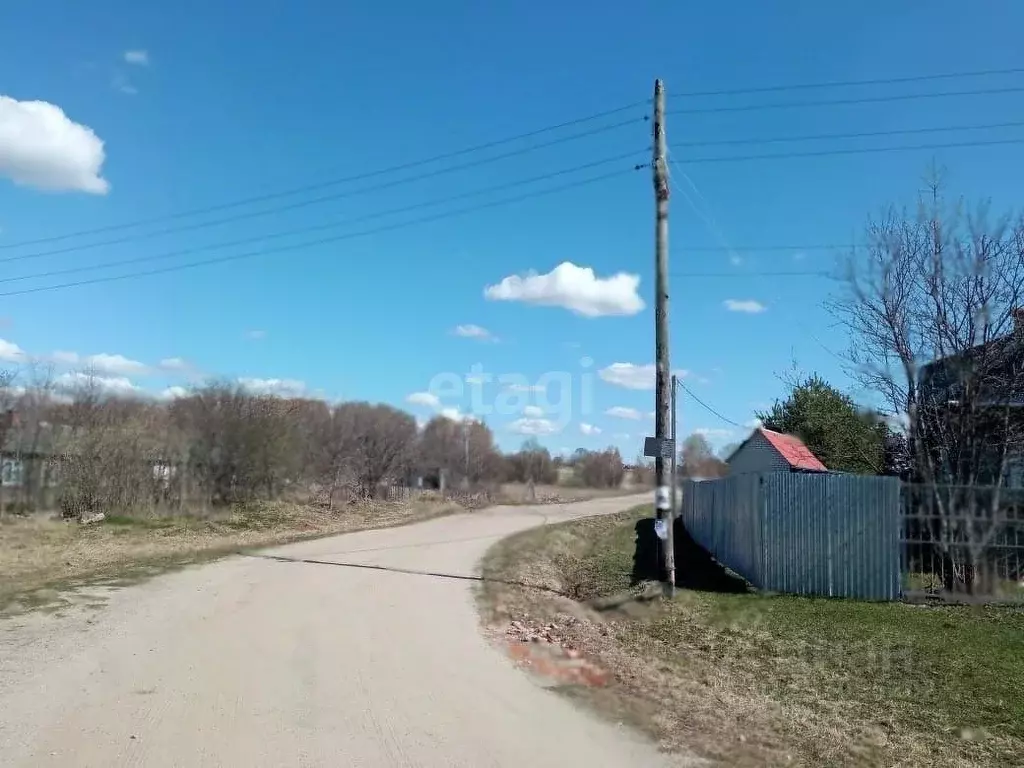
835 535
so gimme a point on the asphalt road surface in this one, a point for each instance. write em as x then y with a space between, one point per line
375 659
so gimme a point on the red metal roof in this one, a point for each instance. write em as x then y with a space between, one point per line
794 451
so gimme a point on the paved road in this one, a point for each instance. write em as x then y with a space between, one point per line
256 662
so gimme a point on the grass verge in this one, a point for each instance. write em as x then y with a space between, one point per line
748 679
40 558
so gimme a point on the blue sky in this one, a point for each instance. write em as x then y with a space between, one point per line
197 105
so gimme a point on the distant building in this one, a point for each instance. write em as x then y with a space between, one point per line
995 372
767 451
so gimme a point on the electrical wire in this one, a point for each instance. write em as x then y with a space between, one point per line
794 273
844 102
851 151
707 407
333 182
851 83
319 227
321 241
313 201
859 135
749 248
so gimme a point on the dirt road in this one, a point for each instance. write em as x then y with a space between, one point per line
375 659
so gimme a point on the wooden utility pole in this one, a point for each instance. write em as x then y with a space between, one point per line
662 396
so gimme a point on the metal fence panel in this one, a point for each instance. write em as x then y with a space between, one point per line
808 534
724 517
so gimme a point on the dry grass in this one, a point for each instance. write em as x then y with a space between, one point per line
518 493
38 556
745 679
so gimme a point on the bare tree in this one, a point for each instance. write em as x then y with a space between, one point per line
462 451
8 397
932 305
531 464
698 460
372 443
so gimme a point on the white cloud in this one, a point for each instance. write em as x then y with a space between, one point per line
456 415
749 306
42 147
752 424
533 411
577 289
527 426
589 429
629 375
621 412
173 393
622 436
124 85
471 331
137 57
105 363
712 434
428 399
175 364
108 385
278 387
256 335
11 352
632 376
525 388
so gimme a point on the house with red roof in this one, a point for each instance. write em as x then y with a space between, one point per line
768 451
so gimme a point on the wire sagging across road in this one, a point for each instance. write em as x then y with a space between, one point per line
313 201
362 176
315 243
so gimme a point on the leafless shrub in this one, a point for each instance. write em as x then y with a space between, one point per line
532 464
599 469
463 454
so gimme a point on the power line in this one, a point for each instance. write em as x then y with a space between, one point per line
705 405
318 227
749 248
322 241
312 201
333 182
843 102
852 83
859 135
851 151
794 273
707 216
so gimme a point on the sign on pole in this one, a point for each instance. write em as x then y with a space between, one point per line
659 448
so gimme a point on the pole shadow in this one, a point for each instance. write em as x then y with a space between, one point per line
696 569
